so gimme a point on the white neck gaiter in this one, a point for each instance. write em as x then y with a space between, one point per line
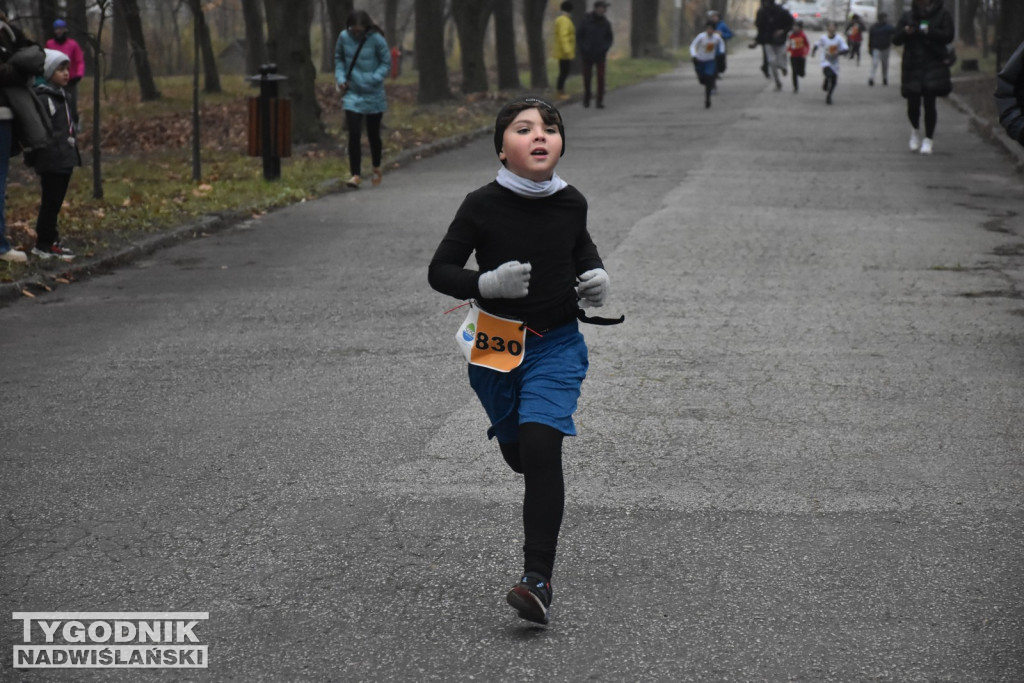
524 187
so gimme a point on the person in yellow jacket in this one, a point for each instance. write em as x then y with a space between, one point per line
565 45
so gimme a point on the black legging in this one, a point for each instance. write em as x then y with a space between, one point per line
354 121
931 115
538 456
830 80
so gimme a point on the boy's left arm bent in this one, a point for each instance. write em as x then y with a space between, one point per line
593 278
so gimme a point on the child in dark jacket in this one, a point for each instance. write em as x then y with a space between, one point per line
55 162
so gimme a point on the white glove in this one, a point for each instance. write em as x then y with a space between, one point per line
508 281
593 287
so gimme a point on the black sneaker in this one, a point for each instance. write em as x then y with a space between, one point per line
55 250
531 597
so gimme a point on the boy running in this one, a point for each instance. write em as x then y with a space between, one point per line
704 50
528 229
832 47
798 46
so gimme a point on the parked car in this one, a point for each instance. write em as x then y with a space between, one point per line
811 13
867 10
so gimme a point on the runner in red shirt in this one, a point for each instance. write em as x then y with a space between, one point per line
798 48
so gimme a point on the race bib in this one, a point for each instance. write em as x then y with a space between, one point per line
491 342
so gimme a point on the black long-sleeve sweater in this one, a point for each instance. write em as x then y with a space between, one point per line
550 233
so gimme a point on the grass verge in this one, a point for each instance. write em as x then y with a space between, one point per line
147 163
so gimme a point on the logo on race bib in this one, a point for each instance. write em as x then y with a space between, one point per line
491 341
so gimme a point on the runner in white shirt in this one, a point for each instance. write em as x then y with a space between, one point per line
832 47
703 49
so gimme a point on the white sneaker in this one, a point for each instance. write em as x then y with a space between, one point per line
14 256
926 146
915 141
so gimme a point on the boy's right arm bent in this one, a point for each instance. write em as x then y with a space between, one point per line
447 272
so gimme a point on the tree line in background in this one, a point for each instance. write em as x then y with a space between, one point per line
154 36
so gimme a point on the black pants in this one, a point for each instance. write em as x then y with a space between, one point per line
538 457
564 68
355 145
830 81
931 114
54 189
589 67
797 66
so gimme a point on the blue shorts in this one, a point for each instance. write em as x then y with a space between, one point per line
544 388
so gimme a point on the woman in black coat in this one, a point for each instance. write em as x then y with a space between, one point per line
924 32
1010 95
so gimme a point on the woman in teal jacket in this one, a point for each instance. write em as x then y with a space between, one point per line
362 61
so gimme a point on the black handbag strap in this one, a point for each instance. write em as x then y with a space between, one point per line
348 73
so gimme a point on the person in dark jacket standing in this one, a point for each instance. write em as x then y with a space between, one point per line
924 32
18 66
55 162
593 39
879 45
1010 95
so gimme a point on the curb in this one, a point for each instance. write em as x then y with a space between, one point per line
206 225
991 132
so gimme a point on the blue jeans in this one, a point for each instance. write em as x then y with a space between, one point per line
5 164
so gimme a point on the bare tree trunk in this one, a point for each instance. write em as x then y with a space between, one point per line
471 18
337 14
96 47
391 31
1010 30
46 13
579 13
643 34
211 77
984 20
533 18
338 11
147 86
78 28
288 23
119 63
430 56
965 22
255 46
326 39
505 46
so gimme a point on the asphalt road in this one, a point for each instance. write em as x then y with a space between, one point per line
801 458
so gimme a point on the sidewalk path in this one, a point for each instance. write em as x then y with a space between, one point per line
801 458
